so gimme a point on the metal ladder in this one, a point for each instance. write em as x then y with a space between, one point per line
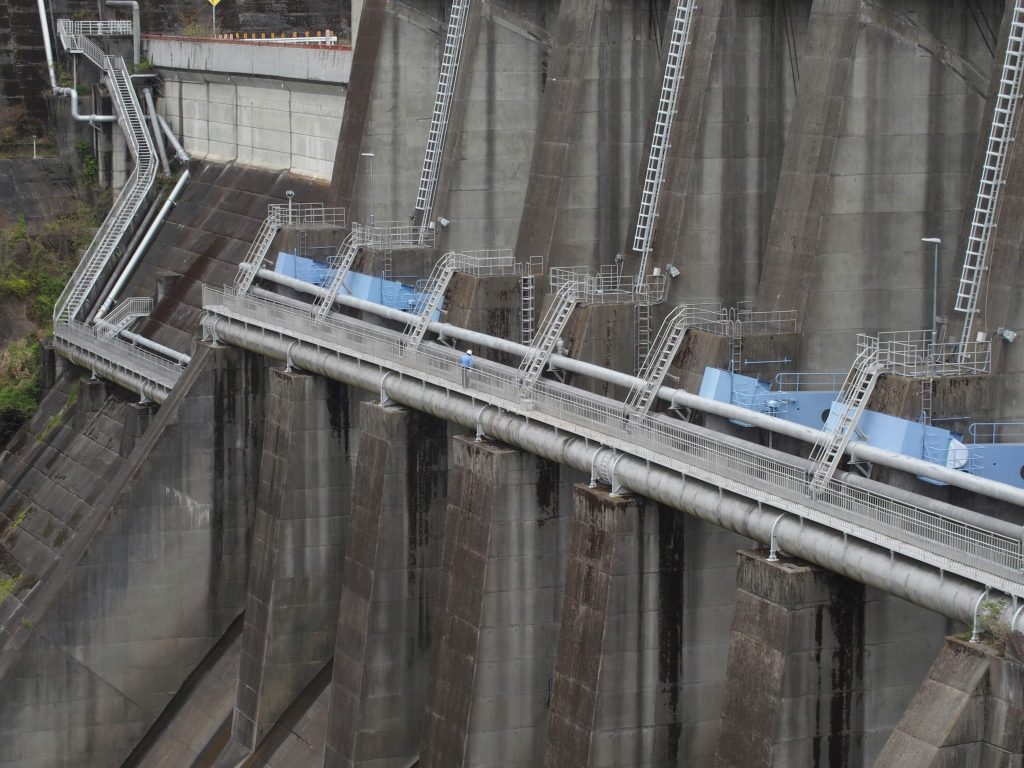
442 108
642 334
131 198
662 127
986 204
735 352
927 395
341 262
527 303
551 328
857 389
257 253
126 313
656 364
430 301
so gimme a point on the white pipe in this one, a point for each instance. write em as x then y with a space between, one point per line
154 346
147 94
141 250
178 149
44 22
856 450
74 108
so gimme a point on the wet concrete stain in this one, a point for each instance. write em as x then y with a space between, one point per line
671 575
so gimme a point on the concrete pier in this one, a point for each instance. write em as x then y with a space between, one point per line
796 663
499 604
969 711
386 620
617 696
298 540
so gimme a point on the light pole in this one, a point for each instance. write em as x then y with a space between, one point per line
936 241
370 155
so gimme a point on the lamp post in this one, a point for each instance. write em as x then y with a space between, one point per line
936 241
370 155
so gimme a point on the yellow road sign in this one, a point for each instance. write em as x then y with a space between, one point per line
214 3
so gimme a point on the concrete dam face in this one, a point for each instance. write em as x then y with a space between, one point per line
441 400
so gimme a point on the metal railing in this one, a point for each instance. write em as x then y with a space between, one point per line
911 353
118 353
495 263
609 285
751 323
95 28
393 235
306 215
810 381
919 533
992 432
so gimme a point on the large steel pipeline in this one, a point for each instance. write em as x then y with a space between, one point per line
951 596
679 397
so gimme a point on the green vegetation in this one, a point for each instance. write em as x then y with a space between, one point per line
7 585
19 378
36 260
58 418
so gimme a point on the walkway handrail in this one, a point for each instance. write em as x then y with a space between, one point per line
938 540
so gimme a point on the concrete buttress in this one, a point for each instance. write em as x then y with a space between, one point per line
617 695
968 711
392 557
498 615
298 542
795 676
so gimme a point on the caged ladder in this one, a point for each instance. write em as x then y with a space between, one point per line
993 174
442 108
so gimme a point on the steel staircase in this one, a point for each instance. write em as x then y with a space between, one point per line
430 299
654 177
341 263
857 389
527 308
657 362
986 205
551 328
132 197
442 109
257 253
123 315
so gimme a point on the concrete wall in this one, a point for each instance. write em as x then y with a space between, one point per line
277 106
276 125
878 156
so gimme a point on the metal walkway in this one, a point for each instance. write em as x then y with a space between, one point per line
442 108
916 531
667 104
133 196
993 172
853 398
